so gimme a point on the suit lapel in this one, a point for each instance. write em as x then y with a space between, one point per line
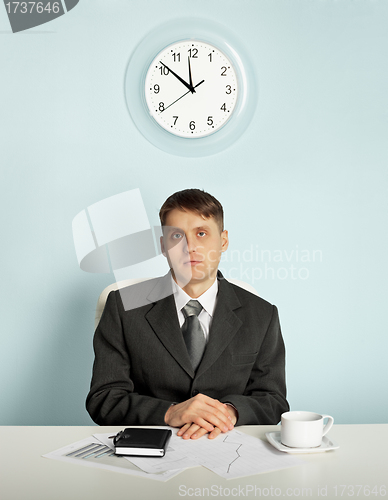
224 326
163 319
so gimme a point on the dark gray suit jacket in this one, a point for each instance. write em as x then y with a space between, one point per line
142 366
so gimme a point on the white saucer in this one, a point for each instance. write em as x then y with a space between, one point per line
274 439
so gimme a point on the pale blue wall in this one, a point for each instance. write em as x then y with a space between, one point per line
310 173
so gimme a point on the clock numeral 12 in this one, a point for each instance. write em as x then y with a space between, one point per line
193 53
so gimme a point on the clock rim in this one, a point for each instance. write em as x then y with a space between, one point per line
157 40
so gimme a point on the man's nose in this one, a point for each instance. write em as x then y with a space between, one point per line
190 244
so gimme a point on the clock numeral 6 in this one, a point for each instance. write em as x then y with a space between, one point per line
210 120
192 125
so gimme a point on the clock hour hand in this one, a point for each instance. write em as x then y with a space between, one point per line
190 87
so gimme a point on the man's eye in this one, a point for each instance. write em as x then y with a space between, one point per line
176 236
201 234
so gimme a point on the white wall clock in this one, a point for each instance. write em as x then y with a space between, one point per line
190 87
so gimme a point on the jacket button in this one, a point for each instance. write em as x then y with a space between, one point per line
194 392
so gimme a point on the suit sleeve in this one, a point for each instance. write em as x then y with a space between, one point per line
264 398
112 399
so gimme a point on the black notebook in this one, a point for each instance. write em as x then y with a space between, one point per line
136 441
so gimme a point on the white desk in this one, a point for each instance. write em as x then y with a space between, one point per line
360 460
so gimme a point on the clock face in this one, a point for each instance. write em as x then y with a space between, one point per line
191 89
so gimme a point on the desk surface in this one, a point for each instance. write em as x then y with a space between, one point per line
361 462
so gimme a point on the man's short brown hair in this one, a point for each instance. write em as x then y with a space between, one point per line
194 200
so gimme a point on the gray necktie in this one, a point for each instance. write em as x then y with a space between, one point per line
192 332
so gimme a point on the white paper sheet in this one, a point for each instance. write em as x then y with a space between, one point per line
90 452
230 455
235 454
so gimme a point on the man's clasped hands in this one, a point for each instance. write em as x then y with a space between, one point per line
201 415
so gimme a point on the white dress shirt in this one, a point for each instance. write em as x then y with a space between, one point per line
207 300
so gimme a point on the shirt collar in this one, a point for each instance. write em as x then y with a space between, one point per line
207 299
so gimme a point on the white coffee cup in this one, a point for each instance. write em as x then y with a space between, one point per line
304 429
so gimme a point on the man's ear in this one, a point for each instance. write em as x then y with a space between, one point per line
162 246
224 240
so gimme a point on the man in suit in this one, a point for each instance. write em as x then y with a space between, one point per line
190 349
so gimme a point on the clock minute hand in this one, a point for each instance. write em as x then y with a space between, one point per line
190 87
190 78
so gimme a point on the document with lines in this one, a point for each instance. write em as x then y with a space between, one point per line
230 455
235 454
91 452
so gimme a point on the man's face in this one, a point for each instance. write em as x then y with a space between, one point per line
193 246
